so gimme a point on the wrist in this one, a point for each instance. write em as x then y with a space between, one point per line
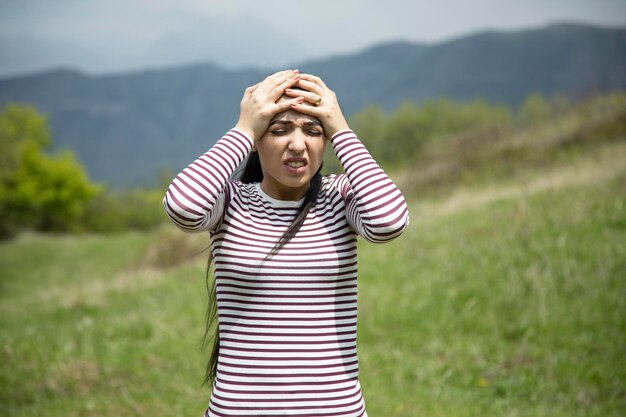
336 125
336 130
341 133
248 133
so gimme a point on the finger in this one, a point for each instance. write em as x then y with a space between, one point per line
279 74
288 104
306 109
251 89
271 81
280 77
314 79
310 97
310 86
279 89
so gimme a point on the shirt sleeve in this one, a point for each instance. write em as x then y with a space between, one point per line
197 197
375 207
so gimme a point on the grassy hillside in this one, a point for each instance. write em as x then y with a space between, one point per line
505 297
505 300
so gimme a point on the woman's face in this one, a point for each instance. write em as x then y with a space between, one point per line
291 152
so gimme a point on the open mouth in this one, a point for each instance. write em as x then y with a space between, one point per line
295 163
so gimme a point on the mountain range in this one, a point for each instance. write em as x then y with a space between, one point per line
125 128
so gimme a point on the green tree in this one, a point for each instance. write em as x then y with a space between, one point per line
37 191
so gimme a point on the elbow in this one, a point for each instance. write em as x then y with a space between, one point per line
184 219
386 232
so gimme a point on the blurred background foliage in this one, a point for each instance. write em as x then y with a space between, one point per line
427 145
52 193
452 143
37 190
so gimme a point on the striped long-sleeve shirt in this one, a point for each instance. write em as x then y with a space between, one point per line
287 324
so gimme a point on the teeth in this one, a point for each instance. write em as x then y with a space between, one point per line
294 164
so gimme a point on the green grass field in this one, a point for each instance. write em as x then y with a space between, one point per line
504 298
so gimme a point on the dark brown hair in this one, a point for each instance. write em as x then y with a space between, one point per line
252 173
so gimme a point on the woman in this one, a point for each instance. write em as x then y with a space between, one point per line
283 241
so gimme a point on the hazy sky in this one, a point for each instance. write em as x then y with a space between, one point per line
101 36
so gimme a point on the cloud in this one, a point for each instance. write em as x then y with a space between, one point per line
129 44
100 36
229 41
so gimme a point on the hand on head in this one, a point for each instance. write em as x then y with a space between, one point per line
260 102
319 102
306 94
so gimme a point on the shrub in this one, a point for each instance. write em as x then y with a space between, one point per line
37 191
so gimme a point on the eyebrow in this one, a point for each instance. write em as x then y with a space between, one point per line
288 122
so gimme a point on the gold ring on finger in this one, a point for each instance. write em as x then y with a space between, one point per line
318 102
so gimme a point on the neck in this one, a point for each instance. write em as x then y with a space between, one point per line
283 193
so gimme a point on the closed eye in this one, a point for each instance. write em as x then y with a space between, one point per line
278 132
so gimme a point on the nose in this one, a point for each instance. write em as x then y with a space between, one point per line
297 142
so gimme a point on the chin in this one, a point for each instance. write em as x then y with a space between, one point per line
297 182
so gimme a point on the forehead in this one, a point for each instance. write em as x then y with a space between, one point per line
294 116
